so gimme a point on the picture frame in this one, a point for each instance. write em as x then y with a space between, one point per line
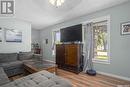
125 28
13 35
1 34
46 41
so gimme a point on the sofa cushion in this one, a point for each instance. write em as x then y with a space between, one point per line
3 77
8 57
26 61
25 55
40 79
13 68
11 65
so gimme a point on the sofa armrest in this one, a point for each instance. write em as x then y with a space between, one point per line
37 56
0 65
3 77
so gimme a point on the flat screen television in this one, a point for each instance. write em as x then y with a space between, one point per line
71 34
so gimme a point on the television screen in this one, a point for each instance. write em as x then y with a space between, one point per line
71 34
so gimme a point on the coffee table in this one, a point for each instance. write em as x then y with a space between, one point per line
36 66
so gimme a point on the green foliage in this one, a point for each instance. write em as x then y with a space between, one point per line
100 38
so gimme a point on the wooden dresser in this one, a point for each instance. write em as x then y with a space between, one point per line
69 57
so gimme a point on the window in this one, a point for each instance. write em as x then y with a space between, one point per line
57 37
56 40
100 38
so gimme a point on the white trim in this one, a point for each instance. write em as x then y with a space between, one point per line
115 76
103 73
108 37
101 62
97 19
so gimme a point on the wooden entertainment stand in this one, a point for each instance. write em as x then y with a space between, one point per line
69 57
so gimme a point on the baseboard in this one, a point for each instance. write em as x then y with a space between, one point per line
49 61
103 73
115 76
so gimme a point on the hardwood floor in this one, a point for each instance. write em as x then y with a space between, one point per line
84 80
16 77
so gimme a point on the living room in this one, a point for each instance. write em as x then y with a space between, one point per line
64 43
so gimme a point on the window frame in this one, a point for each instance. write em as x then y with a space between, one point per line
105 18
54 50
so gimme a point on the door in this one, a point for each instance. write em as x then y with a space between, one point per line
71 55
60 54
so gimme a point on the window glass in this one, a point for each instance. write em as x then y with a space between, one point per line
100 41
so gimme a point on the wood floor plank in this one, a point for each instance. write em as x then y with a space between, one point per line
84 80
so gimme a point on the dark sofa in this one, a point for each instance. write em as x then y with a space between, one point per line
3 77
12 63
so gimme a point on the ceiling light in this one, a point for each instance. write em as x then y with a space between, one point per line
57 3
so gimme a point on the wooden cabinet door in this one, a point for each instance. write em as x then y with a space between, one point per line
71 55
60 54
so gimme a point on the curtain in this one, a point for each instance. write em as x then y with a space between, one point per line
88 47
54 39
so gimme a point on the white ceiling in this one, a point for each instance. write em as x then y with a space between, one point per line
42 14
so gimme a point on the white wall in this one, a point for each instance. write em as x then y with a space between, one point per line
25 27
119 45
35 36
